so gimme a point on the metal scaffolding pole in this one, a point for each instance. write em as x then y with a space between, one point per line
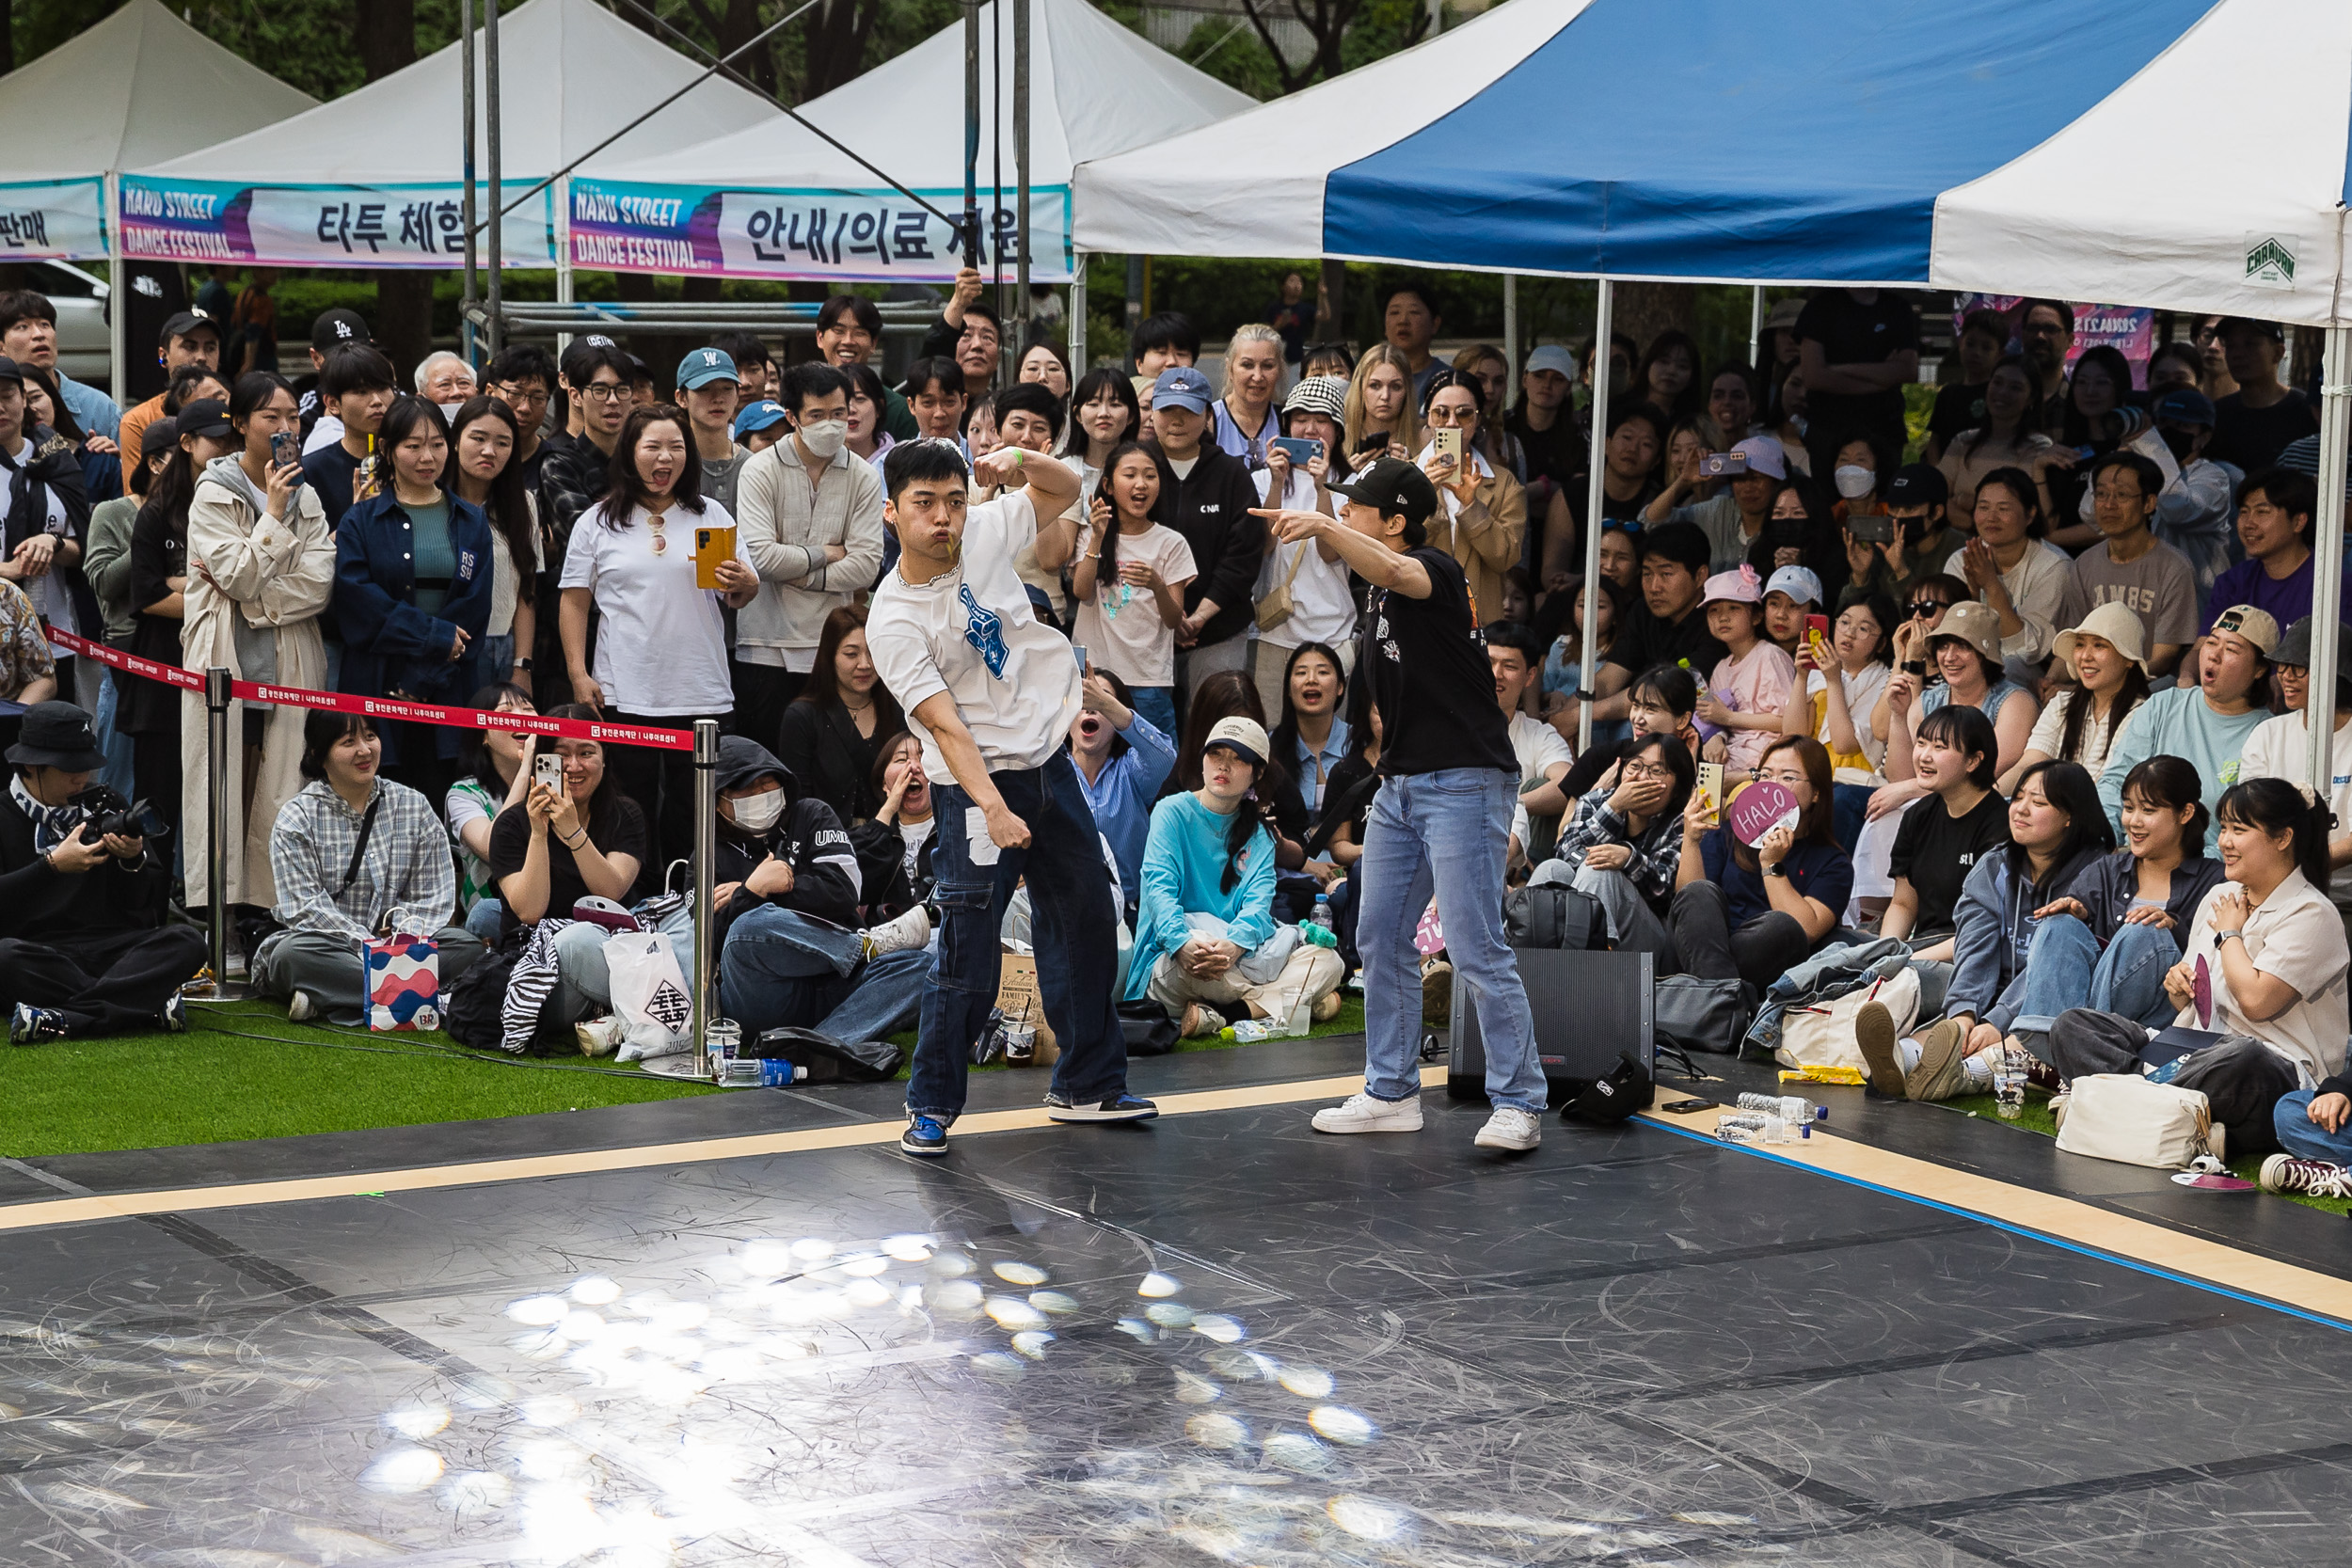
1077 315
497 128
1595 497
465 77
1510 340
972 134
2335 429
1755 333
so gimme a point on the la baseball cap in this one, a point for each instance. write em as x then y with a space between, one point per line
704 366
338 326
1393 487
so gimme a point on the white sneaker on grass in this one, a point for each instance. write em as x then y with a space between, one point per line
1364 1113
910 929
1511 1128
300 1009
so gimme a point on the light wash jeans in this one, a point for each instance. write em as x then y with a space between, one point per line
117 775
2299 1135
1444 832
2065 968
779 969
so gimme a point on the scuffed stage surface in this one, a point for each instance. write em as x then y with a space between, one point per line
1219 1338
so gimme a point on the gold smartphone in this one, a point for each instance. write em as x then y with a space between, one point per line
1707 798
1446 441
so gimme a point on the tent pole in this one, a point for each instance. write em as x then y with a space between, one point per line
563 287
1755 336
972 134
465 311
498 206
117 298
1021 177
1510 336
1589 672
1077 333
2335 427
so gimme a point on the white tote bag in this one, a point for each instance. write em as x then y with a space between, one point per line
1822 1035
650 994
2122 1116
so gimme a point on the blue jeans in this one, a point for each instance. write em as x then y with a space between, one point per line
1075 932
1849 807
2298 1135
1445 833
497 661
2065 968
117 775
487 919
781 970
1157 703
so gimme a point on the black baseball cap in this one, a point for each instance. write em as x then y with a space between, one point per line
1395 488
163 435
202 417
186 324
338 328
10 370
1917 485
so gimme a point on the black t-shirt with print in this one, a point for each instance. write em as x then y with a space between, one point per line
1648 640
1852 333
1937 851
1431 678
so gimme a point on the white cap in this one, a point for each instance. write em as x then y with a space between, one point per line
1239 734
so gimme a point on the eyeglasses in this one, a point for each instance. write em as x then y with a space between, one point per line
604 391
1648 770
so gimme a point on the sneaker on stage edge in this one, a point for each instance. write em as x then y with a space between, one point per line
2288 1173
1511 1128
30 1025
1126 1107
925 1136
910 929
1366 1113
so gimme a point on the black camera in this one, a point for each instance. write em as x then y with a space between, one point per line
104 813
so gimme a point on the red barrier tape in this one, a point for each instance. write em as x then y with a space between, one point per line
383 707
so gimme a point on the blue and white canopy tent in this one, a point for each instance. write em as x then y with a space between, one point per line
2063 148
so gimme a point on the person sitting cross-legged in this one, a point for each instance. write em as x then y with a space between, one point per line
83 947
355 857
785 892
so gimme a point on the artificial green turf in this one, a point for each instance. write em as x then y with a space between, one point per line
211 1086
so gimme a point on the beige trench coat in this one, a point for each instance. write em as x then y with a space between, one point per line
272 574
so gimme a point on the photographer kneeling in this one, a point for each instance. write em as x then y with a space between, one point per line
355 857
104 963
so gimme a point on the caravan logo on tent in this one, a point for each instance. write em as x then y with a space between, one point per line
2270 264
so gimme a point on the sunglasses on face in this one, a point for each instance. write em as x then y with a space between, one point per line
1926 608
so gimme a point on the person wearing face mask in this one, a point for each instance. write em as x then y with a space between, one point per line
785 900
812 526
443 379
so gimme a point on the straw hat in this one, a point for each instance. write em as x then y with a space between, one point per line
2118 624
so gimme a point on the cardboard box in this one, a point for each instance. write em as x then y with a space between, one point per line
1017 998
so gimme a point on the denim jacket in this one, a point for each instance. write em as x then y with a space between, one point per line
1993 930
389 643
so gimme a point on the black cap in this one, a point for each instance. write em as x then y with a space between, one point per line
2186 406
185 325
202 417
1917 485
58 735
2271 331
162 434
1395 488
10 370
337 328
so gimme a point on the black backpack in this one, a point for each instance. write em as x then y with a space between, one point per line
1555 916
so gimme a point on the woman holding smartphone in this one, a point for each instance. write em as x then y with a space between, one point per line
1303 593
260 565
1129 584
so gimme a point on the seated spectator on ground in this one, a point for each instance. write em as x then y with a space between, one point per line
1514 654
2207 725
1946 835
1749 913
1748 689
1965 648
586 840
1667 627
2131 566
83 949
2262 967
355 857
2010 437
2026 581
495 774
2280 748
1123 758
1837 713
1208 945
1624 845
28 672
832 733
894 847
1664 702
1129 583
1231 694
2084 720
785 899
2057 833
1326 753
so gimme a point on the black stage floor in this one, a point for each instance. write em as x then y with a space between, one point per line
1219 1339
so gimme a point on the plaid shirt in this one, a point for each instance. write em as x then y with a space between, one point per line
25 655
406 880
1657 853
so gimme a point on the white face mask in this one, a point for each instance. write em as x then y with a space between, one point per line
1855 482
449 410
756 814
825 437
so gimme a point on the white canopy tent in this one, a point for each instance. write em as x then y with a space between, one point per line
778 201
375 178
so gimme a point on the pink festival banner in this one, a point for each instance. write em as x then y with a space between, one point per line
2119 326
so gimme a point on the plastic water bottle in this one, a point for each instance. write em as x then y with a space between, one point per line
1789 1107
1321 914
2009 1083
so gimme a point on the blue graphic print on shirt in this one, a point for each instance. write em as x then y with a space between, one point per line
985 631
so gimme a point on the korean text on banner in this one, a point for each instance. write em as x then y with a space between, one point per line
340 226
2118 326
59 220
876 236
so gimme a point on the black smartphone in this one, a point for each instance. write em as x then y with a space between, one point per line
1691 1108
1874 528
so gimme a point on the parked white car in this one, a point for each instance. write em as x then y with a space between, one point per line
85 341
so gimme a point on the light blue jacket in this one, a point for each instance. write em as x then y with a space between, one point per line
1122 797
1184 873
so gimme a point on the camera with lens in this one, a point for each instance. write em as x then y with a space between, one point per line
104 813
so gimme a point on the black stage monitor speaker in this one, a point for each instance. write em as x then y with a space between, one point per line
1589 1007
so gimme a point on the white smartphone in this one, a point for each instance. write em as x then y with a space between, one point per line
549 770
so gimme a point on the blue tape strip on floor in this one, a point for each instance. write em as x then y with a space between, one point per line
2028 1231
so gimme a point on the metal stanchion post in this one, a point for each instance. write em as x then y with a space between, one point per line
216 792
706 853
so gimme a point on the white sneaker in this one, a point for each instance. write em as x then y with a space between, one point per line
910 929
300 1009
1511 1128
1364 1113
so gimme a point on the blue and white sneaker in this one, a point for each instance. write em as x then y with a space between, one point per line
1125 1107
925 1136
174 1016
30 1025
